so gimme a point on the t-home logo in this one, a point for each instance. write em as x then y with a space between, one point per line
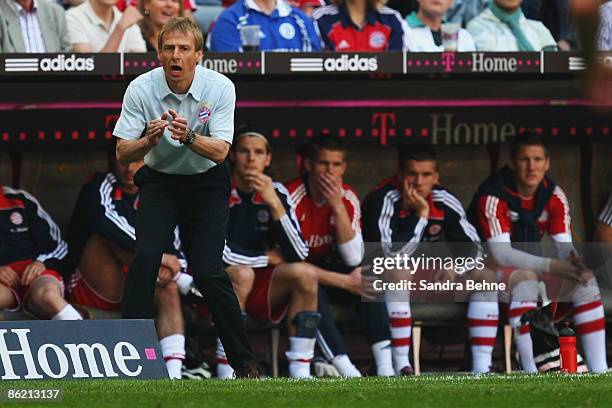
483 63
342 63
32 351
222 65
60 63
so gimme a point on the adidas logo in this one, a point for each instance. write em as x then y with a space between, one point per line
343 45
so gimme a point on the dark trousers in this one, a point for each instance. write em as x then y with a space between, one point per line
198 204
372 315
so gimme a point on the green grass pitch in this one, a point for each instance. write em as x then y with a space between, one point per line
436 391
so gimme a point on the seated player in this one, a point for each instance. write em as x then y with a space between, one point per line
31 249
102 242
503 27
330 218
411 208
604 37
263 253
520 204
424 32
360 25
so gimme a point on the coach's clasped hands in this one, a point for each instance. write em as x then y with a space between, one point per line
175 123
178 127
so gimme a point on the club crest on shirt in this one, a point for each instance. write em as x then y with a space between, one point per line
377 39
263 216
203 114
435 229
234 198
16 218
287 31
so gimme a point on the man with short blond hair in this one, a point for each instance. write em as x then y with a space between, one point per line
180 118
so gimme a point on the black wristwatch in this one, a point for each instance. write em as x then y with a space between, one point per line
191 135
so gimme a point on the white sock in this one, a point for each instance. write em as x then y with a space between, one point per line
224 370
524 298
184 282
401 332
301 352
590 325
525 349
483 317
383 358
68 313
345 366
173 351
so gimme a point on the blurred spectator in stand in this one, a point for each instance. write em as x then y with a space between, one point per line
556 16
504 27
69 3
604 40
404 7
424 31
189 6
598 79
157 13
98 26
307 6
462 11
281 27
360 25
32 26
206 13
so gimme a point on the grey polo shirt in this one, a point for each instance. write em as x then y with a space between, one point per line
208 106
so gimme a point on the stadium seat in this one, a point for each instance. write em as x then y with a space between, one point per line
433 314
206 13
88 313
55 178
6 170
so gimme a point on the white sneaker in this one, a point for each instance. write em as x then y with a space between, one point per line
225 372
345 366
198 373
324 369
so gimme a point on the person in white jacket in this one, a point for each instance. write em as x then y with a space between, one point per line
503 27
424 31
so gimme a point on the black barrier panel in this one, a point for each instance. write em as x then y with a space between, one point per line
293 123
324 63
60 64
334 63
84 349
